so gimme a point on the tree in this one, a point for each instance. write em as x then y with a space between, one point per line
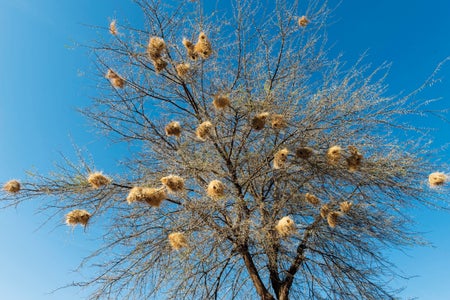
261 167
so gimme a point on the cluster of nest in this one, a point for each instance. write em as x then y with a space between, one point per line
277 121
155 196
333 156
332 216
200 49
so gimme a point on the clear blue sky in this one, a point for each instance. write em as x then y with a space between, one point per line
43 78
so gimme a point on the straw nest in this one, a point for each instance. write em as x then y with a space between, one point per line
155 48
278 121
333 218
177 240
437 179
173 183
334 154
153 197
280 158
345 206
303 21
190 49
259 121
221 101
324 210
204 130
12 186
97 180
116 80
182 69
354 160
113 28
78 216
173 129
216 189
159 64
285 227
304 152
312 199
203 46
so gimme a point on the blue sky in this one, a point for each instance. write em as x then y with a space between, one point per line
44 76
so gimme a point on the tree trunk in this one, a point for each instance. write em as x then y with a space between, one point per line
256 279
284 292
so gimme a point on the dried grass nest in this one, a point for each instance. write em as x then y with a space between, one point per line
345 207
312 199
204 130
334 154
177 240
303 21
115 80
259 121
437 179
173 129
113 27
216 189
278 121
173 183
152 196
78 217
97 180
12 186
285 227
221 101
280 158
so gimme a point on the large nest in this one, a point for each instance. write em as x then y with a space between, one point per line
312 199
278 121
216 189
333 218
12 186
78 216
285 227
354 160
204 130
97 180
334 154
259 121
155 48
152 196
304 152
345 207
190 49
280 159
183 69
173 183
437 179
115 79
177 240
221 101
173 129
203 46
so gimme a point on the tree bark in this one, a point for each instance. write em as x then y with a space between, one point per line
254 275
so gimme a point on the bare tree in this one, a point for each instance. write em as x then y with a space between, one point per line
259 165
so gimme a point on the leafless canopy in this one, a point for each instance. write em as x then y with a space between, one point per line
236 207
